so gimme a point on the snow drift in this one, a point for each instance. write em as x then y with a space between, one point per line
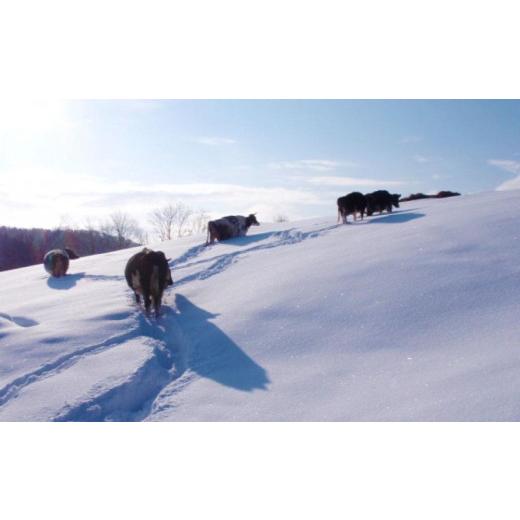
407 316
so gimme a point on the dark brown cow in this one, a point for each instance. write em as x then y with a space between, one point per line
351 204
381 200
56 261
230 227
148 274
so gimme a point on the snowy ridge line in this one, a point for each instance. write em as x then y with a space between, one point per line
133 399
222 262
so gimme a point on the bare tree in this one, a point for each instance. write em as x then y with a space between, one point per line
163 220
170 220
123 226
181 218
281 218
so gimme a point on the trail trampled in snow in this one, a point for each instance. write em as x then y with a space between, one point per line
404 316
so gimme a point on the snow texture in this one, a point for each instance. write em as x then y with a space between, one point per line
402 317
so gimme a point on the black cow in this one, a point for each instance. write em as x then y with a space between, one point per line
351 204
56 261
148 274
444 194
229 227
381 200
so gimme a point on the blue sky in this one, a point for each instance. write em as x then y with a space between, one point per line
84 159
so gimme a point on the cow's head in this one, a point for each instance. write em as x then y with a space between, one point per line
71 253
251 220
162 261
395 199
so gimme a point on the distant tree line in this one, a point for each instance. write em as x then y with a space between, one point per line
23 247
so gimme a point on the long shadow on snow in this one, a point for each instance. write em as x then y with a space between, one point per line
69 280
64 282
396 218
185 344
251 239
21 321
213 354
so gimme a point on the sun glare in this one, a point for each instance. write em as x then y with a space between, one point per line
32 115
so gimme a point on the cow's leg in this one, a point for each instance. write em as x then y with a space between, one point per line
147 301
157 304
137 298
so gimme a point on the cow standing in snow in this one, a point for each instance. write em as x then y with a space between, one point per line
381 200
148 274
351 204
56 261
229 227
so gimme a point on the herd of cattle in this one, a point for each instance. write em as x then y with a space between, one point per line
356 202
148 272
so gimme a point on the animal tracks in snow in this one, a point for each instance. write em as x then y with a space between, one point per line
124 376
220 263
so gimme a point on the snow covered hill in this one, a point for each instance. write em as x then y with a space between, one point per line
408 316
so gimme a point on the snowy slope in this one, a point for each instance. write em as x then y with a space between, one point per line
409 316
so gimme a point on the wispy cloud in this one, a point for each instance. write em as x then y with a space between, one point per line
421 159
507 165
351 181
410 139
215 141
510 167
311 164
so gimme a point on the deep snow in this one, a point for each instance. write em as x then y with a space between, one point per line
409 316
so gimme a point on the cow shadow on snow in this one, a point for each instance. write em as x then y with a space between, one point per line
213 354
249 239
396 218
69 280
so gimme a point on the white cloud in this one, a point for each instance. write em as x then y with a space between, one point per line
31 116
511 167
512 184
40 198
351 181
508 166
311 164
421 158
214 141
